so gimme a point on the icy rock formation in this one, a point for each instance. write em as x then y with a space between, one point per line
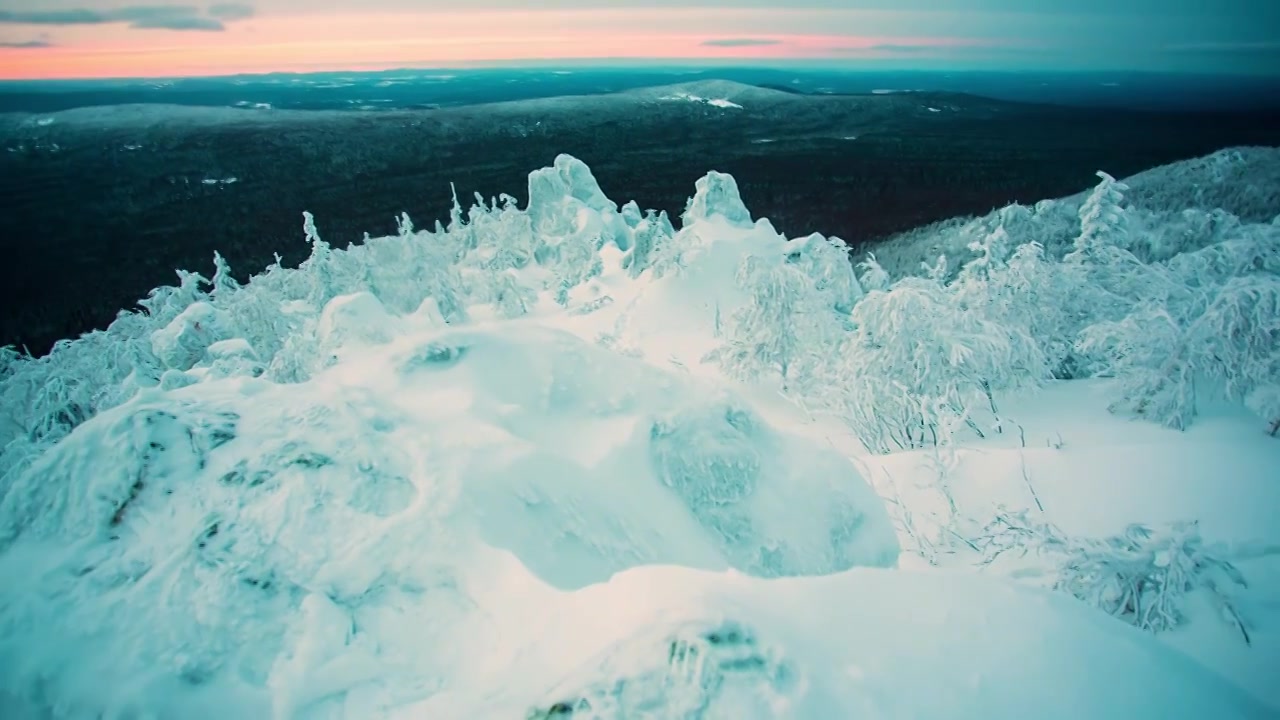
632 214
556 193
717 194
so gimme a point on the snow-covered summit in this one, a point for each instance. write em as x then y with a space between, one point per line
569 461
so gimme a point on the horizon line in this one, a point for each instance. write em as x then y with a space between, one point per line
845 65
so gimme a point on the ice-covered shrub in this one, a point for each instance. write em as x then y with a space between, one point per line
917 357
1144 576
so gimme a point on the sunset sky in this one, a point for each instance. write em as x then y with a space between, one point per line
123 38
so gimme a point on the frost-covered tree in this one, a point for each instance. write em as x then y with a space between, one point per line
511 296
1028 292
504 237
223 282
928 355
440 279
1103 225
1023 292
873 276
1227 334
783 327
992 251
318 265
826 261
650 234
1155 382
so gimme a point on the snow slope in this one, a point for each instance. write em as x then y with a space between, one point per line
490 471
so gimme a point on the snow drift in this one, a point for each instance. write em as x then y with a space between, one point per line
532 464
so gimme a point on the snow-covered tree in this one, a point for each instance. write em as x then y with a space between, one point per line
439 277
650 233
873 275
504 237
317 265
223 282
1103 225
826 261
783 327
1228 334
511 296
927 354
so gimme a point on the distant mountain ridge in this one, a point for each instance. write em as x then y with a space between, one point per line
152 185
452 87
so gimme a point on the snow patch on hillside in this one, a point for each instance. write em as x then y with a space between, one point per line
714 102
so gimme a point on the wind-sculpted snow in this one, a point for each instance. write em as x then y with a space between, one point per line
429 475
180 533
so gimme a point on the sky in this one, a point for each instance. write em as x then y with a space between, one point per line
158 38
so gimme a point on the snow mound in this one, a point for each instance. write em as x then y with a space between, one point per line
178 538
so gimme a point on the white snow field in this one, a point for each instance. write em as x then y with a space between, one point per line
567 462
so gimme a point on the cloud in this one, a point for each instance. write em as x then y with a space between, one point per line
903 49
52 17
26 44
142 17
190 22
740 42
941 49
231 11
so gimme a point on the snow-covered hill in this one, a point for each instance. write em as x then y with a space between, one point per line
565 461
1181 206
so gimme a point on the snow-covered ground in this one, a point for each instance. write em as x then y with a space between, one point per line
543 463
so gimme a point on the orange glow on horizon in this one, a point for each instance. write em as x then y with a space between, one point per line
389 41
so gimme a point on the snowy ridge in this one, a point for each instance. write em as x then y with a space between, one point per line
568 461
